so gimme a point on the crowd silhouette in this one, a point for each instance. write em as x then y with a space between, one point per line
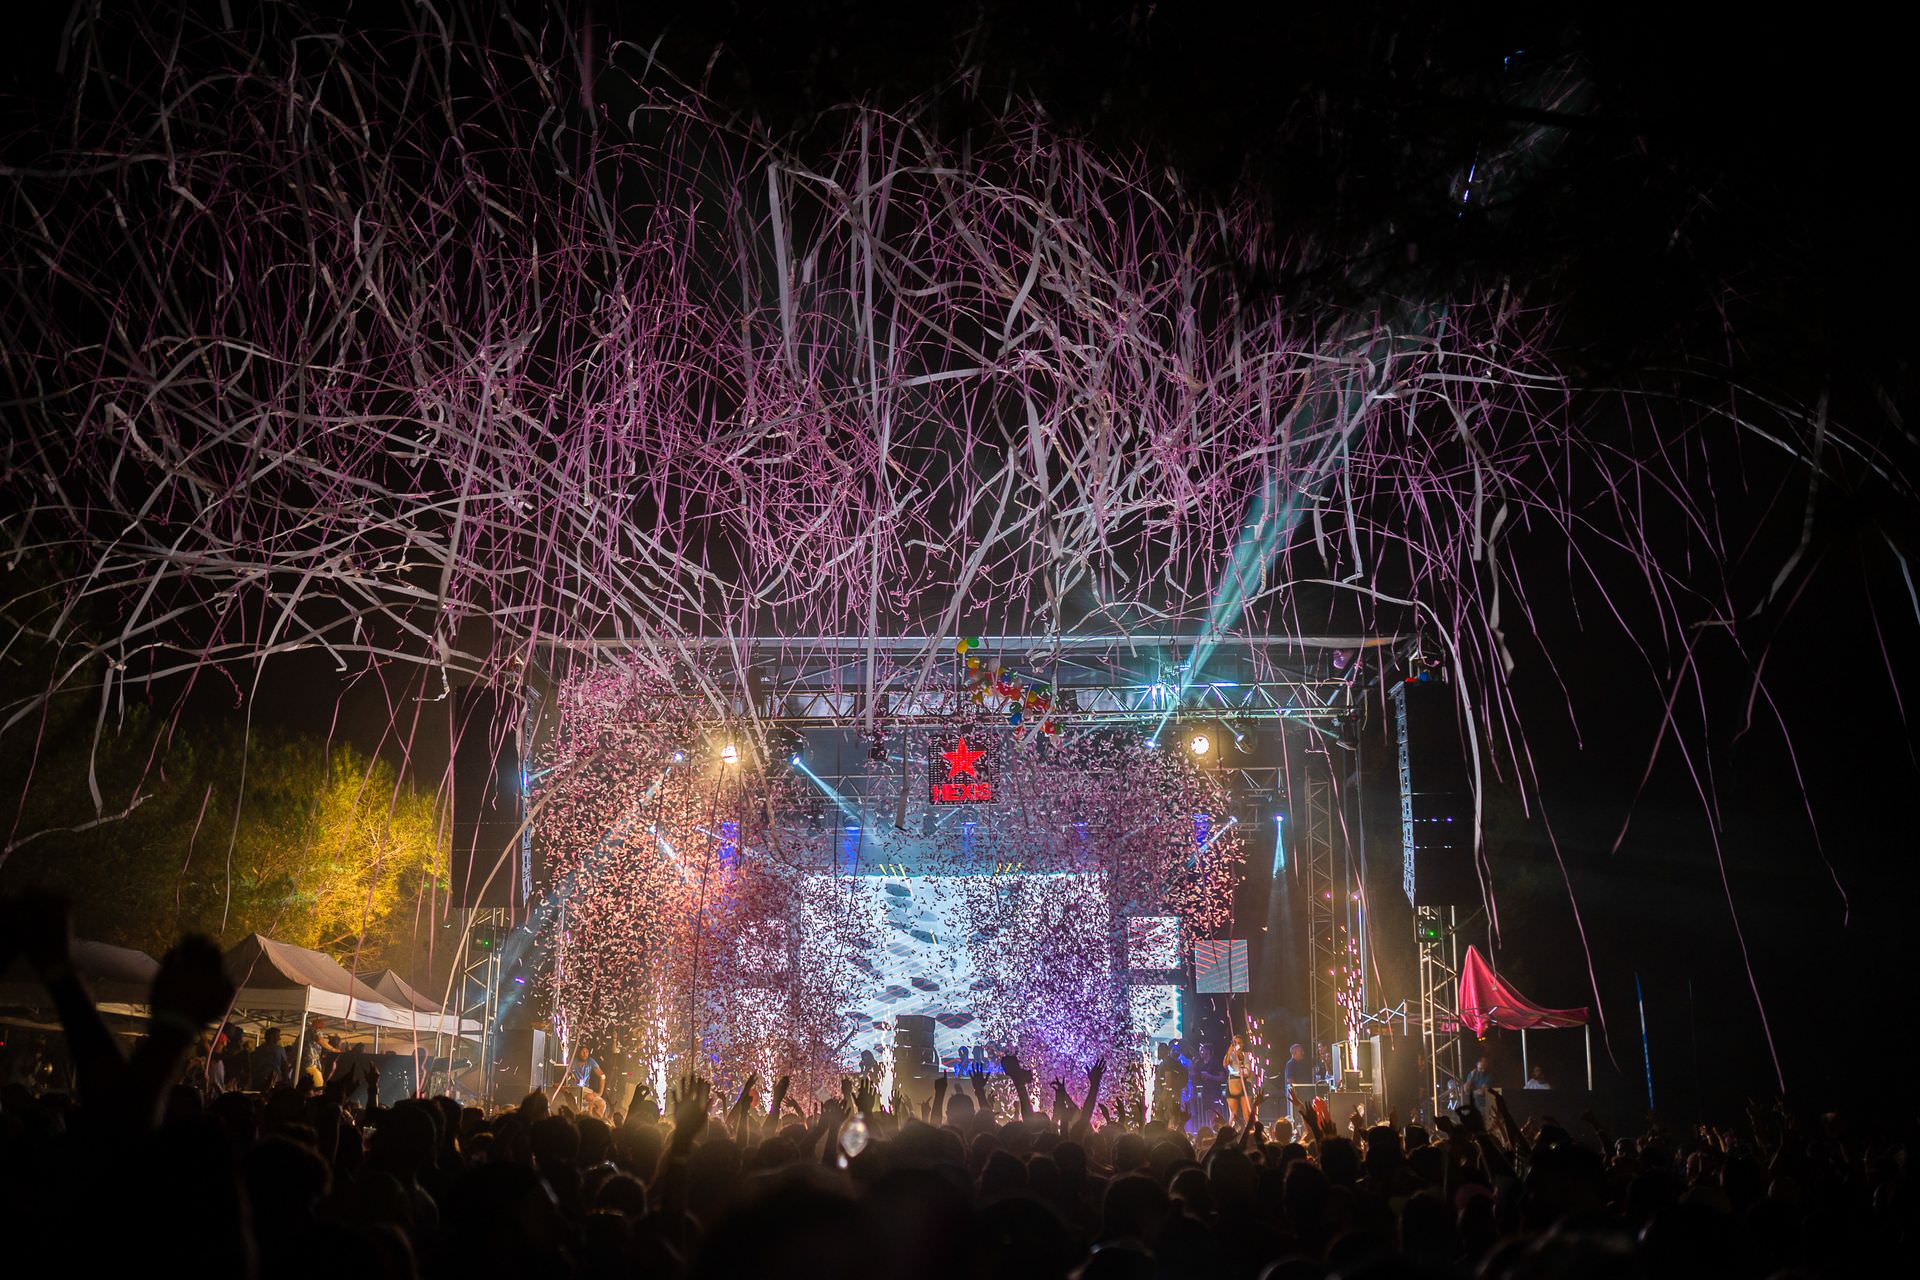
134 1170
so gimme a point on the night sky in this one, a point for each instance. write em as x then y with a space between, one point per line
1717 185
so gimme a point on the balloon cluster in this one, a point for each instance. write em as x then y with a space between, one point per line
1023 699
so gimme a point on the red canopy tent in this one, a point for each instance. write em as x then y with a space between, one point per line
1487 1002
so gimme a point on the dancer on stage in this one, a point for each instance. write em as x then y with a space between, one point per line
1239 1065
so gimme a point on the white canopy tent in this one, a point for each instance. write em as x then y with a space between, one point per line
115 975
120 979
278 977
399 993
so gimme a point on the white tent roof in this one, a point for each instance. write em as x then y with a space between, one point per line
397 992
115 976
278 977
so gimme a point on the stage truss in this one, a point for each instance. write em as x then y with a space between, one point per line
1437 940
1323 872
792 689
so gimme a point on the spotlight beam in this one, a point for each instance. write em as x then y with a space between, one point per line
828 791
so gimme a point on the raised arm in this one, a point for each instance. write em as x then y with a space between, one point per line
689 1116
779 1099
1022 1079
737 1114
1095 1074
42 922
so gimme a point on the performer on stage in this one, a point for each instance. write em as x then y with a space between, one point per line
586 1083
1170 1078
1240 1082
870 1069
1297 1074
1479 1080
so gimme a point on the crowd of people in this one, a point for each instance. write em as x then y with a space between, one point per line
133 1169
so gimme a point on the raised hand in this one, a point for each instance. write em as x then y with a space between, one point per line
780 1087
192 985
690 1110
1308 1120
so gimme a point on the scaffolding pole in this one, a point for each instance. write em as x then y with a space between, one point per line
1436 931
487 929
1318 837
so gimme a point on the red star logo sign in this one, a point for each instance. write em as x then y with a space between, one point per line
960 760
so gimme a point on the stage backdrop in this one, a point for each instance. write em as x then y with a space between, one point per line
1010 961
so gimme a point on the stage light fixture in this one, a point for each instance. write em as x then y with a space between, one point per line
679 757
1199 744
729 754
794 758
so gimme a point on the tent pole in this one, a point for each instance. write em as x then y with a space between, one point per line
300 1046
1589 1031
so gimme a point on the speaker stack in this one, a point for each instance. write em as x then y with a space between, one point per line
1436 809
486 804
915 1064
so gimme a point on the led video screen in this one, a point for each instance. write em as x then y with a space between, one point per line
982 955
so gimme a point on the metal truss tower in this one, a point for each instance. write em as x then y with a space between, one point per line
487 929
1437 936
1317 832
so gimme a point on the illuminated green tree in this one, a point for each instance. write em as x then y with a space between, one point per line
228 834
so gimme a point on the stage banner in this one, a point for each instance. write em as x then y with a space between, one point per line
958 773
1220 966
